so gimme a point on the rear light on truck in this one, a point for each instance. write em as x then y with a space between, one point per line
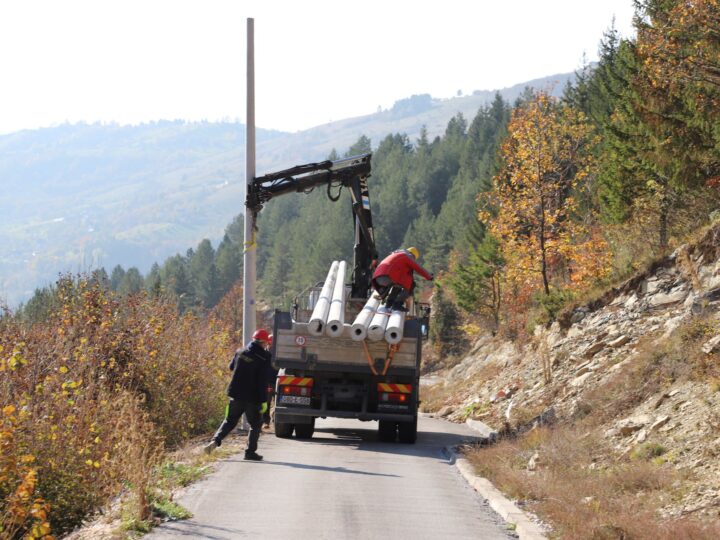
394 393
296 390
393 398
295 386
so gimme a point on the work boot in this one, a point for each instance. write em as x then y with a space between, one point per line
253 456
209 447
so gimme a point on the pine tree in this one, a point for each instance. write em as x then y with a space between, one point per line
175 276
229 263
361 146
132 282
204 275
476 282
117 275
153 281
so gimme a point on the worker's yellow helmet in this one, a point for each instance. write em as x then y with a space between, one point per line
414 252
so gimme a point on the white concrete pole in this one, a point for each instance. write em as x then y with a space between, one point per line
376 330
249 253
336 315
319 316
395 327
359 328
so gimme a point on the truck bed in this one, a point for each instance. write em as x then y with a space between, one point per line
297 345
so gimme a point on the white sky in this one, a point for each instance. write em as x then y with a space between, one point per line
132 61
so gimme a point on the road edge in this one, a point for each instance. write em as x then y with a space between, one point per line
525 527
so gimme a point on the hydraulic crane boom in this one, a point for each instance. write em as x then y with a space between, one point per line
351 173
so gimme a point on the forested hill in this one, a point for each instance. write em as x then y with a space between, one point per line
77 197
422 192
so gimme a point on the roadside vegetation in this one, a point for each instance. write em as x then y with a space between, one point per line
523 212
573 475
93 396
590 190
582 489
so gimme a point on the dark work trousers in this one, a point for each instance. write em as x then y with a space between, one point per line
234 411
392 294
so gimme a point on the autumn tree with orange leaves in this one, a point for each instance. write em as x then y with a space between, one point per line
532 208
680 44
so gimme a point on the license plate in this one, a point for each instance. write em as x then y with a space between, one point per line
295 400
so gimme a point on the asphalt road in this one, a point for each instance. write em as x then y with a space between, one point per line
342 484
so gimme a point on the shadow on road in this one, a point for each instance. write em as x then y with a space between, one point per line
193 530
428 443
317 468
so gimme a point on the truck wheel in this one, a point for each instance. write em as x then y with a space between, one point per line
283 430
407 431
305 431
386 430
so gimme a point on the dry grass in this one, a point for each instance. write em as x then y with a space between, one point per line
436 396
582 490
582 486
433 397
90 398
655 366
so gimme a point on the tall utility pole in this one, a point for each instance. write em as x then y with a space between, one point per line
249 252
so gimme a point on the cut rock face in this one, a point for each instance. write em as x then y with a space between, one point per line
664 299
628 426
712 345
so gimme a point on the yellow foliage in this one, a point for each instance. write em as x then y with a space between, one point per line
532 209
103 397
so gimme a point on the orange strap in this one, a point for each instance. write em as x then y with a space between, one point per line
371 363
392 349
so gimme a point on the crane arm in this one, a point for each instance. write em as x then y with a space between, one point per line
351 173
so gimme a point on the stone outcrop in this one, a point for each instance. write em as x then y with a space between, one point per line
592 343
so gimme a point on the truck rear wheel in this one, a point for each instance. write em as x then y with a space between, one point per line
283 430
305 431
407 431
386 430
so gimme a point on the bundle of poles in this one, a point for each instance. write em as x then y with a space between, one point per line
374 322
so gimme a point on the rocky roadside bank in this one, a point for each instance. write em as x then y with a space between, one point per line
641 359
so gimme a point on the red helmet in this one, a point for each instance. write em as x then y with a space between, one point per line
261 335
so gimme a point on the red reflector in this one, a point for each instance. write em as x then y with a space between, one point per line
397 398
296 390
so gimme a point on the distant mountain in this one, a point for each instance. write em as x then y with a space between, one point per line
76 197
406 116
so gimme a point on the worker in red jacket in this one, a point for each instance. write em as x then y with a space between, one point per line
393 278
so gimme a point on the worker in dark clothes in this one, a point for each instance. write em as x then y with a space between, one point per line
271 376
393 278
247 392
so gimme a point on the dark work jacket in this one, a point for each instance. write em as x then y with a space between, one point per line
249 378
271 373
